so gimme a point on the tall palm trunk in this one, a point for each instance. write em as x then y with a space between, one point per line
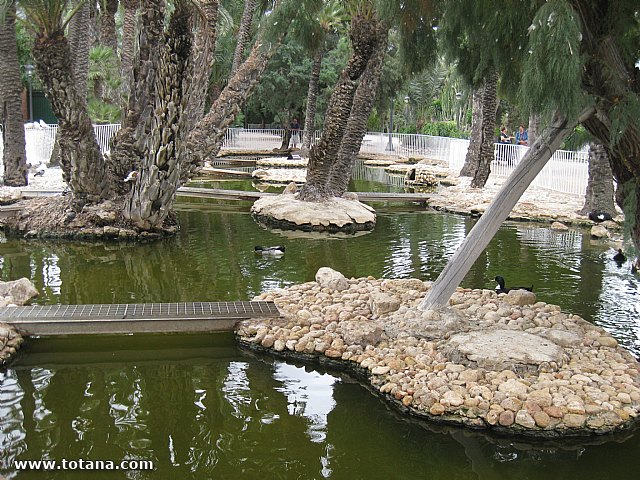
473 152
82 163
324 154
128 145
15 160
207 137
196 79
159 176
357 126
244 33
489 108
312 101
79 41
599 195
127 52
108 37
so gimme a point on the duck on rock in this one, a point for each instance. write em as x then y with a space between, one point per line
500 287
598 216
275 251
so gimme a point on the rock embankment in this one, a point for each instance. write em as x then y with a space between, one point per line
17 292
505 362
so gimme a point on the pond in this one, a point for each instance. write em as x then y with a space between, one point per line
199 407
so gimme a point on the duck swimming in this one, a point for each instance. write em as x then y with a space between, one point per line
500 288
270 251
619 257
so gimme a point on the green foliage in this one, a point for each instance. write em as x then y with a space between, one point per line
625 112
443 129
283 87
577 140
552 71
102 113
486 35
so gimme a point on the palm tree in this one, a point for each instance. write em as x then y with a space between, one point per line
79 43
480 153
364 36
206 138
82 163
244 34
599 195
363 102
15 160
327 22
473 152
129 9
108 37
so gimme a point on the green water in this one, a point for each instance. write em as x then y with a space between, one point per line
201 408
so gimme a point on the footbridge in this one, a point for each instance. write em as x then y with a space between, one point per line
134 317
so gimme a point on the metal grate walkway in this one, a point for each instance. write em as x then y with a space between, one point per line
134 317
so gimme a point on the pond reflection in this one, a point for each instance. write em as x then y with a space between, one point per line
199 409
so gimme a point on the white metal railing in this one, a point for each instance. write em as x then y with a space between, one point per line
565 172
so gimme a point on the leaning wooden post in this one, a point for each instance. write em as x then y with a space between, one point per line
483 231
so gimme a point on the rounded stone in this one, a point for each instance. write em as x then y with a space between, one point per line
542 419
507 418
524 419
437 409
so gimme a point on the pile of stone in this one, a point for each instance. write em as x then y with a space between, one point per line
422 176
505 362
10 341
12 294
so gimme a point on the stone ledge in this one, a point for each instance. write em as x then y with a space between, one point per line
334 215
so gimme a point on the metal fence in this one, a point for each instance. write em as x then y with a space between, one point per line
565 172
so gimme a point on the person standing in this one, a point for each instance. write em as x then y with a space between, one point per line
522 137
295 133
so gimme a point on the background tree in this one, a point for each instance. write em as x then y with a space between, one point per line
328 21
14 157
582 66
82 163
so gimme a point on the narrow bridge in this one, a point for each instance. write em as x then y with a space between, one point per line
134 317
218 193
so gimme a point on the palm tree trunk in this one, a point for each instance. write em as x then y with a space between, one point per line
108 36
207 137
196 80
483 231
82 163
127 52
473 152
363 101
489 108
599 195
15 159
79 41
325 153
159 176
312 100
128 145
244 33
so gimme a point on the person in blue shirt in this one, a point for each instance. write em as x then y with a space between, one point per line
522 137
